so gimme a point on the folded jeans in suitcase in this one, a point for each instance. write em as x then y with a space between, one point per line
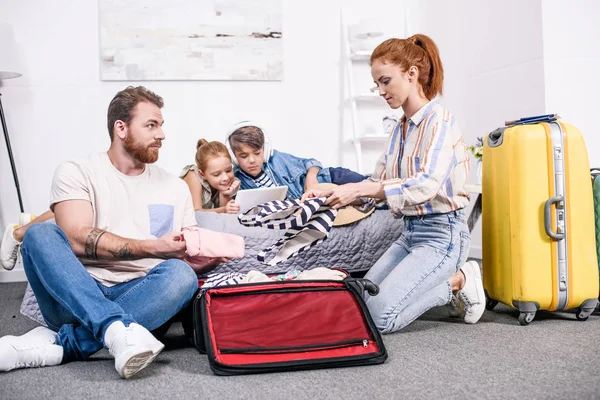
286 325
538 220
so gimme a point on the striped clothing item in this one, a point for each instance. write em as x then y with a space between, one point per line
263 180
223 279
424 170
307 224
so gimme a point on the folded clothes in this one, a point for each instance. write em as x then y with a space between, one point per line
234 278
204 245
306 223
223 279
321 273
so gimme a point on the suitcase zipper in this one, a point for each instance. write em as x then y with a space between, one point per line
295 349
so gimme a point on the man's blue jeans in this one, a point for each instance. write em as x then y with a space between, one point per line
81 309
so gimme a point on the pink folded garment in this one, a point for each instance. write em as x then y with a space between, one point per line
202 245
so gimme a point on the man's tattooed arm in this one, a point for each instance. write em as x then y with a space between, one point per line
91 243
123 252
113 247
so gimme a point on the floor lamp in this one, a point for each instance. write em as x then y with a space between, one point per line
8 70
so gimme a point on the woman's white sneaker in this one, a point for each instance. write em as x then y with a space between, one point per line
472 295
133 347
36 348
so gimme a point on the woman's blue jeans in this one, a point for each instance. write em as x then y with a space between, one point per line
413 273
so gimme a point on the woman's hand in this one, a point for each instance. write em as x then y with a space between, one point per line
336 198
347 194
315 193
232 189
232 207
344 195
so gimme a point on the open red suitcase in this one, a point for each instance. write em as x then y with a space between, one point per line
289 325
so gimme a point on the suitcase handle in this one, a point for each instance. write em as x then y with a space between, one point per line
533 120
370 287
548 218
361 285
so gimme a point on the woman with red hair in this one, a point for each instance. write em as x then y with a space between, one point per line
421 175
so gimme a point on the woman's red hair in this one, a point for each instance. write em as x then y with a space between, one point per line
419 51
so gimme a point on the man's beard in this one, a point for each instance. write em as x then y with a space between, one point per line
140 152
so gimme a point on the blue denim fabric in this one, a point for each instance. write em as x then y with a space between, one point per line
81 309
413 273
286 170
341 176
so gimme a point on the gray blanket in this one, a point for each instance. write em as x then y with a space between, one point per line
354 248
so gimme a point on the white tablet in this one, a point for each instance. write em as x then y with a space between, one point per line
252 197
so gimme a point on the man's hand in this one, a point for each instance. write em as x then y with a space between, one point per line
168 246
232 207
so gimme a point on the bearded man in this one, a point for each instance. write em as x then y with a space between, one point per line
111 269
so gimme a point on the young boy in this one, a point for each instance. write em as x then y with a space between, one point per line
257 164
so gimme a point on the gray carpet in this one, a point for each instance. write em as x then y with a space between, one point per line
435 357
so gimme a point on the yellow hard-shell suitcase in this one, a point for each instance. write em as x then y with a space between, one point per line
538 220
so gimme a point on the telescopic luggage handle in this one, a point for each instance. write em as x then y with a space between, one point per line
548 218
533 120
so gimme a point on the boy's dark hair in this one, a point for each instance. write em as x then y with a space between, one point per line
251 136
122 105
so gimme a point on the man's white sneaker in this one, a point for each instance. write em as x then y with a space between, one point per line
9 249
133 347
36 348
472 295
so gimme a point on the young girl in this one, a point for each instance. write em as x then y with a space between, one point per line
211 180
421 174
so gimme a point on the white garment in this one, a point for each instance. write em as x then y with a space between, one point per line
321 273
145 206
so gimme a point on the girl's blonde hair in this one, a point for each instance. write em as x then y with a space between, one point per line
206 151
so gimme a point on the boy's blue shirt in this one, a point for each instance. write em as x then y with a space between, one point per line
286 170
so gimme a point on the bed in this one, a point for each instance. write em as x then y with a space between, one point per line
354 248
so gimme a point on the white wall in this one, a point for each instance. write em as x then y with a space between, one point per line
57 110
572 66
492 72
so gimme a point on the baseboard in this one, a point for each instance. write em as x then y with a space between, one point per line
15 275
475 252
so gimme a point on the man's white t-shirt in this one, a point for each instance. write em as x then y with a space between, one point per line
145 206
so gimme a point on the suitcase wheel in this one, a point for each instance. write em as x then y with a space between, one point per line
526 317
490 304
582 315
